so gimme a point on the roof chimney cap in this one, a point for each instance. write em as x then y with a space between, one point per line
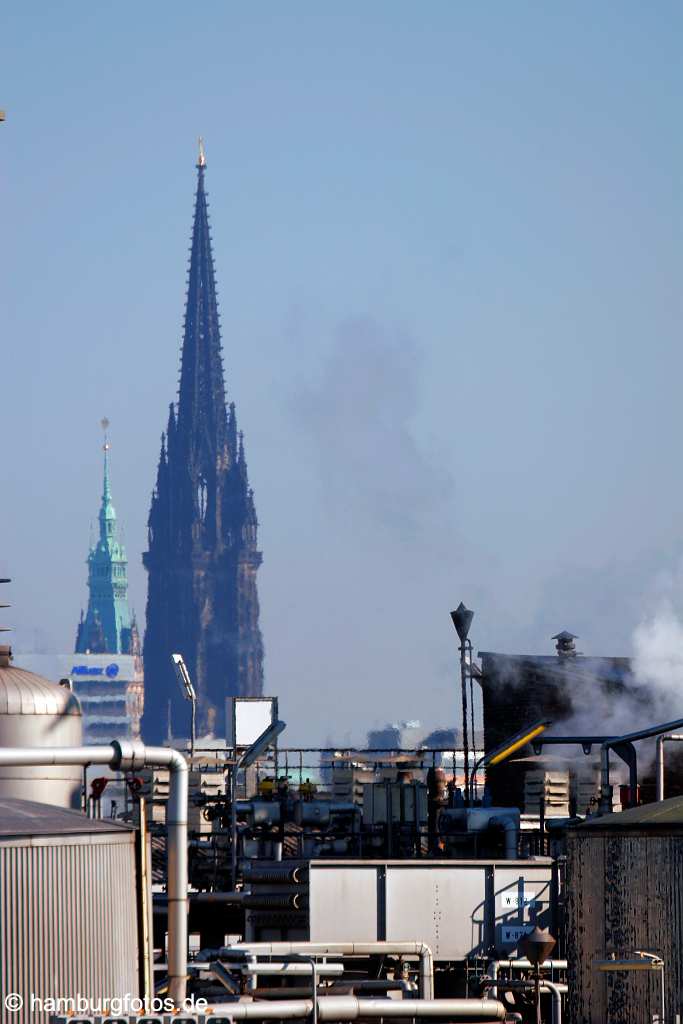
565 646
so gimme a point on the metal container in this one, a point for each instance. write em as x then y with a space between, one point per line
68 912
624 895
37 713
460 908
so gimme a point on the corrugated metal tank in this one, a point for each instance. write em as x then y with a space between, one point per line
625 893
68 907
37 713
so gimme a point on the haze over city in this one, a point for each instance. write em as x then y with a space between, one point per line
449 282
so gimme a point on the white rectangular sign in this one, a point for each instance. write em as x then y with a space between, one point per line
513 900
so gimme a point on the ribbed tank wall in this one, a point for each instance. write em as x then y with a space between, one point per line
68 920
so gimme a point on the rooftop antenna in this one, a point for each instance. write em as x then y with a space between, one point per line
104 423
201 162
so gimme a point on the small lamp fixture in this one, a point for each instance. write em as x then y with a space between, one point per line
462 620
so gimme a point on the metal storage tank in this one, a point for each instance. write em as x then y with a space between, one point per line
625 893
68 907
37 713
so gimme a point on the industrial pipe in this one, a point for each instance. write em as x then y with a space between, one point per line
630 737
131 755
510 824
337 1008
661 740
420 949
555 990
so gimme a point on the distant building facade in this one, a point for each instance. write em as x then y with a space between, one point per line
202 556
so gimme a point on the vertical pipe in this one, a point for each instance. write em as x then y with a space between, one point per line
465 750
233 824
474 745
176 842
660 767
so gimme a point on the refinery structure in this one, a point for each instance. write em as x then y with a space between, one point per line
529 872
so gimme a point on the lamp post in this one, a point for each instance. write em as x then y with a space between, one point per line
258 747
462 620
189 693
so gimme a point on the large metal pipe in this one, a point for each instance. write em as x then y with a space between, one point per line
630 737
131 755
335 1008
661 740
420 949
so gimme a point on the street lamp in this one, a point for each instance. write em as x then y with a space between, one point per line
462 620
189 693
251 754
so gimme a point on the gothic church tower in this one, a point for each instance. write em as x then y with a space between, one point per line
203 554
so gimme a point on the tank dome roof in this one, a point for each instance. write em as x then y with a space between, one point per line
26 693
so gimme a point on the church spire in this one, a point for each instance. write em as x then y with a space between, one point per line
203 556
103 630
201 419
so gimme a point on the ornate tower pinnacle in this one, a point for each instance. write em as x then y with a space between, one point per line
202 555
106 628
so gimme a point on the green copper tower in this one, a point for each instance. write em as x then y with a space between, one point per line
107 626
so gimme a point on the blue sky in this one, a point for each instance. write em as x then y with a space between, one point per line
448 246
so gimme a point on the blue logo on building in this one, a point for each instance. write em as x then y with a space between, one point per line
111 671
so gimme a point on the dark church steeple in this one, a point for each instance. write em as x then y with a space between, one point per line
203 554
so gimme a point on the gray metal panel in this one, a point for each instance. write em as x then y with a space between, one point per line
442 906
343 904
68 921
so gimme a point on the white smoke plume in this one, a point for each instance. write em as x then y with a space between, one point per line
654 689
658 664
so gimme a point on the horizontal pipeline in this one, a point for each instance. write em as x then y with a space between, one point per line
338 1008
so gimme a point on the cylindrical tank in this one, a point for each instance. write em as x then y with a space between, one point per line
37 713
68 912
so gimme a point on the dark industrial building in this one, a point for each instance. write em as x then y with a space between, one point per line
203 553
519 689
625 902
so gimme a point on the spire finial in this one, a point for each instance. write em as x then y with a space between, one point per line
201 162
104 422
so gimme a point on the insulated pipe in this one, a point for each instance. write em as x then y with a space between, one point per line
420 949
131 755
661 740
525 965
337 1008
629 737
295 967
